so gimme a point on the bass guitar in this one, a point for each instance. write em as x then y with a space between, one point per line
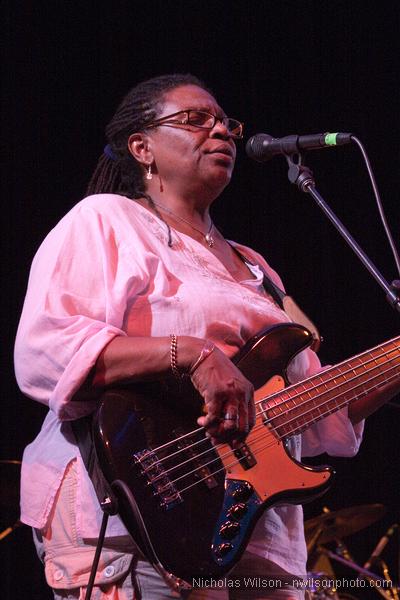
191 506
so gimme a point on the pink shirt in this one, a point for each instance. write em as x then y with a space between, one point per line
105 270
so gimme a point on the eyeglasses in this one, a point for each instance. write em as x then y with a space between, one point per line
201 119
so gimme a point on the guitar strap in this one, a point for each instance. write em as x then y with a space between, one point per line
286 303
293 310
82 429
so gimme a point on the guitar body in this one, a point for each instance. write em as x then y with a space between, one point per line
191 508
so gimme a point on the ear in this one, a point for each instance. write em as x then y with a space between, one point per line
138 146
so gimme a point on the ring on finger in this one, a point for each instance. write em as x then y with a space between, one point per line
230 417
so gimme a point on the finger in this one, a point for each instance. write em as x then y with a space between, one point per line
243 421
230 412
211 419
251 410
207 422
242 414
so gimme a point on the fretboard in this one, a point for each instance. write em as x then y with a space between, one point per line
298 406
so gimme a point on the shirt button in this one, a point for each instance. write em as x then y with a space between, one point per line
59 574
109 571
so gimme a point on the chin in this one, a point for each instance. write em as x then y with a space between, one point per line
225 176
218 181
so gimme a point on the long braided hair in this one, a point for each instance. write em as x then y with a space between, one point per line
117 171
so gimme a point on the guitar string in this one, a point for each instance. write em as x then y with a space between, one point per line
284 402
269 420
310 380
381 372
287 434
230 452
261 426
224 468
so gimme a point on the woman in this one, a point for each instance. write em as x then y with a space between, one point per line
133 283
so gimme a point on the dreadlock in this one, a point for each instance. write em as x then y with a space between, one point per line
117 171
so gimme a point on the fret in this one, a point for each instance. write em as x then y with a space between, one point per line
364 366
298 406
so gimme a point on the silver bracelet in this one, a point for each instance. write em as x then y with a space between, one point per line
208 348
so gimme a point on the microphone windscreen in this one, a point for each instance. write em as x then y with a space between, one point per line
256 144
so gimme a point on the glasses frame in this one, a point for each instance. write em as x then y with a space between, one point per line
167 121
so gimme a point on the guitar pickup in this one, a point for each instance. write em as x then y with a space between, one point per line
245 456
201 471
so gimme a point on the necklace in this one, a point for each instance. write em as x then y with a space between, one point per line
207 236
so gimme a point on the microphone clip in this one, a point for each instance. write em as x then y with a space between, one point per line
298 173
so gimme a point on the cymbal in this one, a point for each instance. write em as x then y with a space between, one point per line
341 523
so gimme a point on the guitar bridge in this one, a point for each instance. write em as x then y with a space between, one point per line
163 488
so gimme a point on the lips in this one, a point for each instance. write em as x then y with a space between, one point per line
222 149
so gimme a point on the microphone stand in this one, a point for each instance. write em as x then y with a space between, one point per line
302 176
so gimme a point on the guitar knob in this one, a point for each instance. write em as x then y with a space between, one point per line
222 549
229 529
243 491
237 510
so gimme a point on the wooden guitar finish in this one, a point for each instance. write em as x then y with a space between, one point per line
192 507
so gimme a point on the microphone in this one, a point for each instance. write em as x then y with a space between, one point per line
262 147
379 548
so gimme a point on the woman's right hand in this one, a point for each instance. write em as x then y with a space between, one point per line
228 397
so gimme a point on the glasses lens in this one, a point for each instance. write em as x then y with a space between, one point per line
234 127
198 118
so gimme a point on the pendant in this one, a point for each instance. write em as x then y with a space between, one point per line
209 240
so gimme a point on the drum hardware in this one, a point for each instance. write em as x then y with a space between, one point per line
10 529
394 588
373 577
316 590
321 592
332 527
391 593
376 557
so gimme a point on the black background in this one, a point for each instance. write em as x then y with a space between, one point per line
282 67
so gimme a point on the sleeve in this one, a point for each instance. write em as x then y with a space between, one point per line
334 434
74 307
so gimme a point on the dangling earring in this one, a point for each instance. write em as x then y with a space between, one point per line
149 174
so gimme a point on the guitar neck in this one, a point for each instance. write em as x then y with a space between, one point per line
299 406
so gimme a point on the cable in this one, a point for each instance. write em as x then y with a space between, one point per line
378 201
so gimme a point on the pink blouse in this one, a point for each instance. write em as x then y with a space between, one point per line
106 270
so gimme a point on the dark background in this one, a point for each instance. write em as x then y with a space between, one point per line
282 67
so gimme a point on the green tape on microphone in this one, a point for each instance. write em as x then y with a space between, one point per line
330 139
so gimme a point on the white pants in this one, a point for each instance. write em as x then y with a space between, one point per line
121 576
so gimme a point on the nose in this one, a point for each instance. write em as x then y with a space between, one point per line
220 130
